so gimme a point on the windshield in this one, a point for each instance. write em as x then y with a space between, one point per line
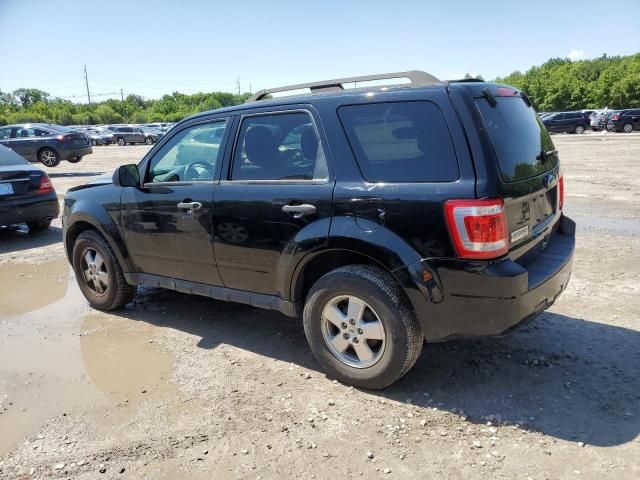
521 143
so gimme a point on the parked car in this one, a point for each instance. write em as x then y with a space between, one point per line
26 193
96 137
153 133
123 135
383 216
46 143
566 122
624 121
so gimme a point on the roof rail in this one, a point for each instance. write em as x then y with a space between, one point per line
416 77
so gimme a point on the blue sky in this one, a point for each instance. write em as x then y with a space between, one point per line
155 47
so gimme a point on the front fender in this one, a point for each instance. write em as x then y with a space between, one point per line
86 213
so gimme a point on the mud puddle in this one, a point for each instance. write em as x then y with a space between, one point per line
62 361
25 287
122 359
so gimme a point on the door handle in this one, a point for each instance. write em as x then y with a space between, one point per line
299 211
193 206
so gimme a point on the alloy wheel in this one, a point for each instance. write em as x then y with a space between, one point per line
628 128
95 272
353 331
48 158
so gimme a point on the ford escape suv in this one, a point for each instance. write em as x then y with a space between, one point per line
384 216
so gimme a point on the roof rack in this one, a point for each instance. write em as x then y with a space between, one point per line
416 77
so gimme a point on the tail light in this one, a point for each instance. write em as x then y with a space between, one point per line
60 138
615 117
561 191
478 228
45 185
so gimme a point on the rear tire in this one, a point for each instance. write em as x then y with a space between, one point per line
579 129
392 337
94 143
628 128
49 157
74 159
38 226
99 274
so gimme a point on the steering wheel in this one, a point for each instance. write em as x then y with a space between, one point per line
191 171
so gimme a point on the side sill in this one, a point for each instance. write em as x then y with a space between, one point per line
259 300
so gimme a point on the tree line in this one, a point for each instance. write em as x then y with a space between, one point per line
561 84
558 84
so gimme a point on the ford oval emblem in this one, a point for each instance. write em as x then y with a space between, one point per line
546 180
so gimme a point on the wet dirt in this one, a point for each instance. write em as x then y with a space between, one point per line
234 392
25 287
121 358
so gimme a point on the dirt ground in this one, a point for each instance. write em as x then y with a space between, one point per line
175 386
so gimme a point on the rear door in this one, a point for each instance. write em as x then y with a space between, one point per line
274 203
528 169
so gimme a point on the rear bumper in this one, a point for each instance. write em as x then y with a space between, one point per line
470 299
31 209
71 152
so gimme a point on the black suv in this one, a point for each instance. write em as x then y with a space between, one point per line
566 122
624 121
383 216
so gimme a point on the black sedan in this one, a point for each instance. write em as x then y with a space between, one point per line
26 193
45 143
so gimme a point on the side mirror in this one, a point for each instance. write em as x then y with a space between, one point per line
127 176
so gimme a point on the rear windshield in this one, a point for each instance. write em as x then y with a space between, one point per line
9 158
400 142
521 142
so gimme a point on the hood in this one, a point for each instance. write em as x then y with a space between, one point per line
104 179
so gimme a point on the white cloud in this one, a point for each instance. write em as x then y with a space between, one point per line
575 54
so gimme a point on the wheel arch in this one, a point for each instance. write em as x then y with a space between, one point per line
99 221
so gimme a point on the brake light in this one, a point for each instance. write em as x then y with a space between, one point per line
615 117
506 92
60 138
561 191
478 228
45 185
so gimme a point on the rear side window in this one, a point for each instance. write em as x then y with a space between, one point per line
400 142
521 143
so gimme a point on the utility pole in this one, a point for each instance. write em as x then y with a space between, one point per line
250 90
86 81
122 103
238 82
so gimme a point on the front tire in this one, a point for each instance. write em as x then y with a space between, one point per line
121 141
148 141
99 274
579 129
49 157
360 328
628 128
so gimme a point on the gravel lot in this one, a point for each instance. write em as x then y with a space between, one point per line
175 386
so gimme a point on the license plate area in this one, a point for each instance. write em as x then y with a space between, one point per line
6 189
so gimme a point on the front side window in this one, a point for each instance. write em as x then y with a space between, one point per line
281 146
5 133
400 142
25 133
189 156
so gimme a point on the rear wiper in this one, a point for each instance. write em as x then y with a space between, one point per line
545 154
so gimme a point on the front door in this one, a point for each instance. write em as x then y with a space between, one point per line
168 221
274 205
